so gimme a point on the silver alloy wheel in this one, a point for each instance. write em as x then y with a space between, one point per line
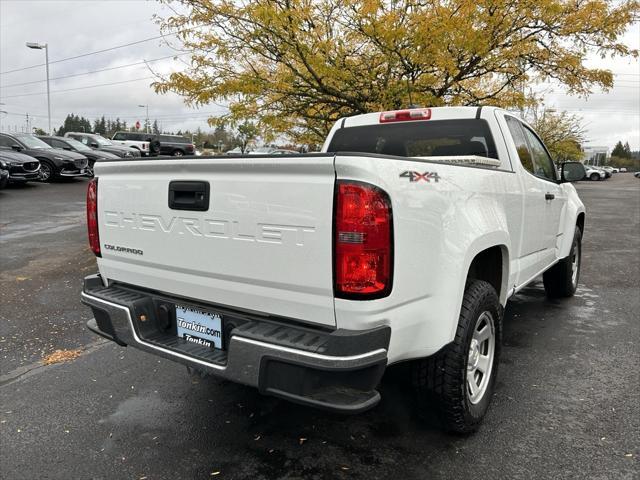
575 264
480 362
178 153
45 172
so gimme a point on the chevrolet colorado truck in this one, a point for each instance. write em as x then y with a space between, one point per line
307 275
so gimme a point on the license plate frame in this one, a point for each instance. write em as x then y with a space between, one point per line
199 326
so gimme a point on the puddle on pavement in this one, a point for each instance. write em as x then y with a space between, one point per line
59 223
147 411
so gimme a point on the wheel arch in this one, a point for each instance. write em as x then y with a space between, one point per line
492 266
49 161
580 221
575 215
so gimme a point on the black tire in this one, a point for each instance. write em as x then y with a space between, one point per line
440 381
177 153
594 176
154 148
559 280
47 171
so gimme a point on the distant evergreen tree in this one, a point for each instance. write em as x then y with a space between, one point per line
621 151
102 126
74 123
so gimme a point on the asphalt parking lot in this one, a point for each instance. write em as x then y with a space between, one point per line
567 404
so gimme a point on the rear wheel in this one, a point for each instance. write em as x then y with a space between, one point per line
561 280
47 171
458 381
178 153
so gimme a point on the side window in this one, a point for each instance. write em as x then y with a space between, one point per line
58 144
542 161
119 136
521 143
5 141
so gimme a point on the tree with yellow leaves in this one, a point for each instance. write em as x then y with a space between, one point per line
296 66
561 132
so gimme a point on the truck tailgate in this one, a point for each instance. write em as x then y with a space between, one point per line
264 244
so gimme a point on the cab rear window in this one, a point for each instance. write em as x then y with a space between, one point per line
437 138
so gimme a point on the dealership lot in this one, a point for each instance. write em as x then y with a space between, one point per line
567 403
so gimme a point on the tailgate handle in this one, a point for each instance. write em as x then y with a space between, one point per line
188 195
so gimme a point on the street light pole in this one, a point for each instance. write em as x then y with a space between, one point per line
147 120
46 56
45 47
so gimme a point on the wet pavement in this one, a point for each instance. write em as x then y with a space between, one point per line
567 403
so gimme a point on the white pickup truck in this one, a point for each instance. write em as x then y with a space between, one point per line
307 275
141 141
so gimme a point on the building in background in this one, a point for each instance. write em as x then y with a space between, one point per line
595 155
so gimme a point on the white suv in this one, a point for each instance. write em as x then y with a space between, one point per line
138 140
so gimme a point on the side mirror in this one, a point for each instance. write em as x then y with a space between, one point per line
94 145
572 172
16 147
67 148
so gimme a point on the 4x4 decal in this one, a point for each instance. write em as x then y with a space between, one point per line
417 176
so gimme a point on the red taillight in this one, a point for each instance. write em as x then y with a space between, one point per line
363 242
405 115
92 216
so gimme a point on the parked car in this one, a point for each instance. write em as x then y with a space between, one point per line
272 151
54 163
261 151
138 140
21 168
175 145
4 174
607 173
593 173
284 151
636 174
308 281
98 142
623 169
72 145
234 152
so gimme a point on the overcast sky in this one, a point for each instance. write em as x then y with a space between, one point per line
76 27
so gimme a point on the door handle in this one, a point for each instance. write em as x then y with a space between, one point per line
549 196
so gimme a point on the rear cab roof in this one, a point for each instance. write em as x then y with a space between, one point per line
487 113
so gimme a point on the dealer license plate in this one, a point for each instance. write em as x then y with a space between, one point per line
199 327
